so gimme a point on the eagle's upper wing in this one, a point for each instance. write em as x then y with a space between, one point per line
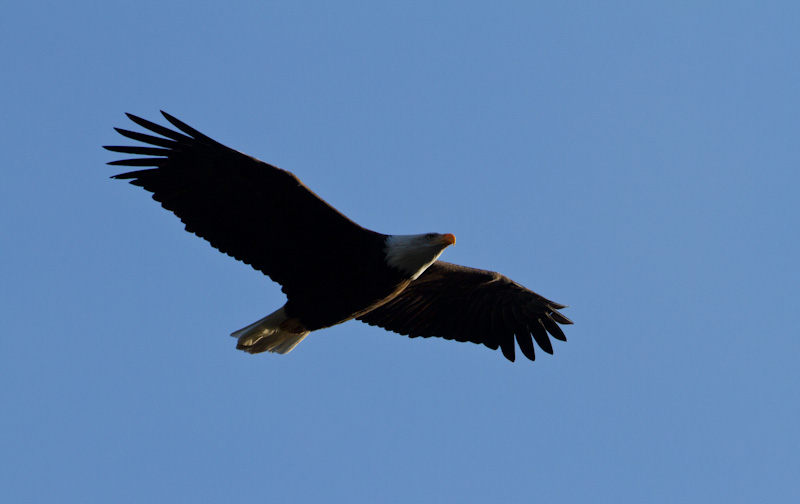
466 304
246 208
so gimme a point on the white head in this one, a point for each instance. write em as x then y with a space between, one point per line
412 254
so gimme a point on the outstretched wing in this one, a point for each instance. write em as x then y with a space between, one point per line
246 208
466 304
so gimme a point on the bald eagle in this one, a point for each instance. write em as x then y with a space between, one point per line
330 268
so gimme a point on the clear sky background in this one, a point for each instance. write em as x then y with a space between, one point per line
635 160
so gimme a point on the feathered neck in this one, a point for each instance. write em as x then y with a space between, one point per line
412 254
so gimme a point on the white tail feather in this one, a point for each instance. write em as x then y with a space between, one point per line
266 335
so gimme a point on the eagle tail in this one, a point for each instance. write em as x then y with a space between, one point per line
275 333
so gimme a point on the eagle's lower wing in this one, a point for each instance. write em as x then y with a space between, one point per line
466 304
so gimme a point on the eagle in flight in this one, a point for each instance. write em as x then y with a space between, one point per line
330 268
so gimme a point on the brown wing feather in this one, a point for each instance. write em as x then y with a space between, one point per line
466 304
246 208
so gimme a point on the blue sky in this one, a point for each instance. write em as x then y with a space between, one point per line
637 161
